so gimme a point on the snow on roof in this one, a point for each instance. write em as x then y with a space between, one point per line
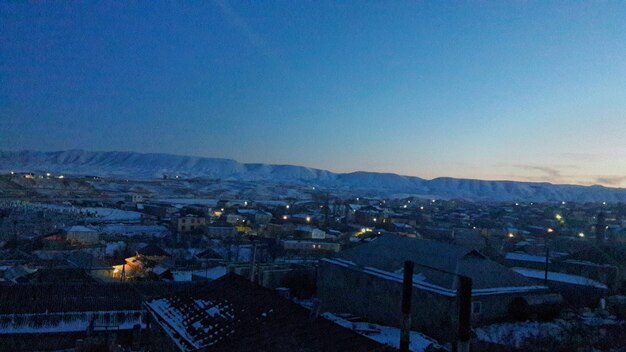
525 257
384 334
135 230
213 273
419 281
560 277
79 228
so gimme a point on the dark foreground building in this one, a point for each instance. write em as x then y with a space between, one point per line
233 314
367 281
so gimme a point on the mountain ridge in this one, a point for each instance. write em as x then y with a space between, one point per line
155 165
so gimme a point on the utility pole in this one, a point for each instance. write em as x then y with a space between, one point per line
465 313
407 293
547 262
252 261
600 227
327 211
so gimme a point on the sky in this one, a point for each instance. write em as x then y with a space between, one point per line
517 90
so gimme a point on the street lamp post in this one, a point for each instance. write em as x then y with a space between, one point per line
548 231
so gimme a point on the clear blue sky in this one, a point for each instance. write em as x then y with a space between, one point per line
495 90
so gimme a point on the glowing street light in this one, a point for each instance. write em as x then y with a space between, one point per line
559 217
287 206
511 235
550 230
308 219
285 217
581 235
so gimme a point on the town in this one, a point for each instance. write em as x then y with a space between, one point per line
92 263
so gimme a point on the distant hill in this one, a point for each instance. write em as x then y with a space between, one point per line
149 166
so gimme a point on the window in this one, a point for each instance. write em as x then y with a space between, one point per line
477 308
182 228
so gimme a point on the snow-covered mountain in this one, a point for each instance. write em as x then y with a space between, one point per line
148 166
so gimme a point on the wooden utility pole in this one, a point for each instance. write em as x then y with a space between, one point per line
407 293
252 261
465 313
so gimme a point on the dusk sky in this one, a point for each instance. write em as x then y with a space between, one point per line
517 90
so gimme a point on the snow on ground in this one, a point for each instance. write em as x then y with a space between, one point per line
384 334
516 333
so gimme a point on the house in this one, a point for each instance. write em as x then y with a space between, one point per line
210 257
81 235
577 291
57 314
255 216
367 281
310 232
310 247
369 215
234 219
221 230
189 223
233 314
134 198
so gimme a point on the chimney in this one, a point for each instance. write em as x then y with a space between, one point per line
407 293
